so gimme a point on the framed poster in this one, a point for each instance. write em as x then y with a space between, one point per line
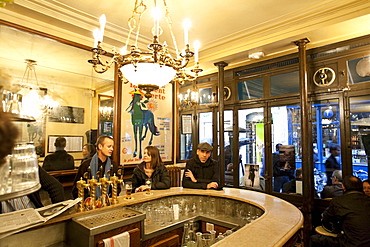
146 122
74 143
186 124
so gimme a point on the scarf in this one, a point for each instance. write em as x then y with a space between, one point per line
94 165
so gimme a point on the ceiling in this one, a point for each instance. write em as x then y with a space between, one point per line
228 30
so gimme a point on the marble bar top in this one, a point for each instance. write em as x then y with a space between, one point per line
280 221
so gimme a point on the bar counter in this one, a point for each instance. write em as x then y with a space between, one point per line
279 224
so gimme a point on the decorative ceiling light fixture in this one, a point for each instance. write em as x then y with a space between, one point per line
256 55
36 102
150 69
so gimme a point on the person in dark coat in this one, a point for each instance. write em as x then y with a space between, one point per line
98 166
348 216
8 137
59 160
151 167
201 171
331 163
335 189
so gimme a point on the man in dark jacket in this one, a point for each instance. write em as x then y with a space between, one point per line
59 160
99 165
201 171
335 189
331 163
348 215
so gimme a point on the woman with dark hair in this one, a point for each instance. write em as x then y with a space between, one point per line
152 167
88 151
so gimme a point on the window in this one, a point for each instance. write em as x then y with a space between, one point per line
284 83
250 89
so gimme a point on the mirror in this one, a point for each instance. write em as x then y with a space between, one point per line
61 72
105 115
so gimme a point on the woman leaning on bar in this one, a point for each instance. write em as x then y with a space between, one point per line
151 167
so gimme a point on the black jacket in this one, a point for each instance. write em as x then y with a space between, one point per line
331 191
349 213
160 178
60 160
204 173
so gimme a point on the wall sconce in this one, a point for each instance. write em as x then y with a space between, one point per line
189 99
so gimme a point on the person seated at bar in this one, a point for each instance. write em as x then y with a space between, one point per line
366 187
335 189
48 183
60 160
8 137
348 215
290 187
201 171
99 165
88 151
331 163
151 167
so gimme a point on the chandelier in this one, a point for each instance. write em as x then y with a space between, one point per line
152 68
36 101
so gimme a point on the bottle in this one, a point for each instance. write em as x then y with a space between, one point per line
199 239
213 236
220 237
191 233
185 236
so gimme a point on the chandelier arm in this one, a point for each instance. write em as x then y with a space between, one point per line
140 14
105 65
169 24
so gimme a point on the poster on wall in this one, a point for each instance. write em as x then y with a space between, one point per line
145 122
252 176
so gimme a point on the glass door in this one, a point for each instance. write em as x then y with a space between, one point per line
287 148
360 135
326 142
251 148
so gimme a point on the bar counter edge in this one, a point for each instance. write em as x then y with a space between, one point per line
278 225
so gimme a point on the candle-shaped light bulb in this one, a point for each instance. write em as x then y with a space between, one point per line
102 21
123 50
156 14
196 51
186 25
96 35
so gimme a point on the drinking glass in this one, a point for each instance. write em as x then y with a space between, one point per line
128 189
148 184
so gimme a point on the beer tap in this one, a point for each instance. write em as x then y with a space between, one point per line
81 185
93 184
105 183
115 181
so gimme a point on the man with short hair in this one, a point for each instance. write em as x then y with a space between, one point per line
60 160
348 215
99 164
335 189
201 171
331 163
290 187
